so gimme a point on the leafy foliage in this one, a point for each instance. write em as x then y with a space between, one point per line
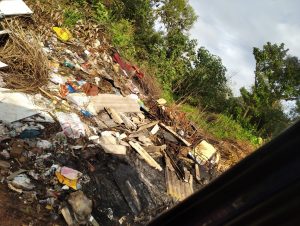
277 78
71 17
122 34
206 82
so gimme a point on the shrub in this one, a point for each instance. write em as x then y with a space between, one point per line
122 33
71 17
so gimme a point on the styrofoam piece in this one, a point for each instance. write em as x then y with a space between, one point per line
14 7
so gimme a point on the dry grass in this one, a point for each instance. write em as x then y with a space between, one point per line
149 84
28 65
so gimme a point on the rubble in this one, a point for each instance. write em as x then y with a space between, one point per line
88 141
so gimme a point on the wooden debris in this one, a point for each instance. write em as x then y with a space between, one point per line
100 124
176 188
114 115
138 134
154 129
67 216
106 119
174 134
148 125
145 155
156 151
186 175
128 123
197 172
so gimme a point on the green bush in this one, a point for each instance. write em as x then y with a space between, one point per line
71 17
102 14
122 33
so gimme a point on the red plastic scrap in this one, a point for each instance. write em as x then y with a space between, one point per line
127 67
138 73
117 59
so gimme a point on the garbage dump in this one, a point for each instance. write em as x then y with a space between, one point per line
84 142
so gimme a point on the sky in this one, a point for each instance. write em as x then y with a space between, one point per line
231 28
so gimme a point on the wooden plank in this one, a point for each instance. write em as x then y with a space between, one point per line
145 155
175 134
148 125
197 172
128 123
154 129
114 115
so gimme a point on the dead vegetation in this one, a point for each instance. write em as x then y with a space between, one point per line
28 65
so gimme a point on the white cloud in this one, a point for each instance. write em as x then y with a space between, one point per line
231 28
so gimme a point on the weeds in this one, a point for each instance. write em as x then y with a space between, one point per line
71 17
219 125
102 14
122 34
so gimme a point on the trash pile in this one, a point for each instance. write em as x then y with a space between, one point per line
90 146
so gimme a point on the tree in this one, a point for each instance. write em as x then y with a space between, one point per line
276 72
277 78
205 83
176 15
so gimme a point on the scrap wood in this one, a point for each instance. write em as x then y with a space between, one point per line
145 155
100 124
197 172
154 129
148 125
67 216
128 123
155 150
114 115
175 134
